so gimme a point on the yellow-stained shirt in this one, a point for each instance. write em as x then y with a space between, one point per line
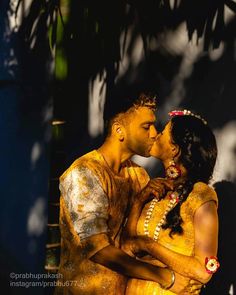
182 244
93 205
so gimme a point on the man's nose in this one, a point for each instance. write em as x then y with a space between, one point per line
153 132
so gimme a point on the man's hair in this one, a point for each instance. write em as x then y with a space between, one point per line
121 104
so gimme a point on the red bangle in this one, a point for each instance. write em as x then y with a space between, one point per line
211 264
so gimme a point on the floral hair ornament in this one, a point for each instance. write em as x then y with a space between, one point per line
186 113
211 264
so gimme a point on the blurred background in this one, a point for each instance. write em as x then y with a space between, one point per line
59 61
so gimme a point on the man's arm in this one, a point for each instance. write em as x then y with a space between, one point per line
119 261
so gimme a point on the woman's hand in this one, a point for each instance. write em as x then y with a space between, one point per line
157 187
185 286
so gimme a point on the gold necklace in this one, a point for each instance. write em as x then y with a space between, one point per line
174 199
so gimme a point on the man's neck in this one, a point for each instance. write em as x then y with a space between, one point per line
114 154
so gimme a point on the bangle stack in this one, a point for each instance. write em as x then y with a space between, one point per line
172 281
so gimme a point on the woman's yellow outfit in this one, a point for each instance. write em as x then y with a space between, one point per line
182 244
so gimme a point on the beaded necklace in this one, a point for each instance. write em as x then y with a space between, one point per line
174 199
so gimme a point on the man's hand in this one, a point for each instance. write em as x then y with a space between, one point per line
185 286
129 246
133 246
157 187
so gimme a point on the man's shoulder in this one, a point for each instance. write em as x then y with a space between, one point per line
137 173
90 161
131 164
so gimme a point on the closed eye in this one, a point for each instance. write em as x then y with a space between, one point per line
146 126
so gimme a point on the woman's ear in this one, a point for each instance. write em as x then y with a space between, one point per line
175 151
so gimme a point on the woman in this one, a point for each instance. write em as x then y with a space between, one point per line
180 230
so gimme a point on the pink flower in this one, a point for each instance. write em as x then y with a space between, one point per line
176 113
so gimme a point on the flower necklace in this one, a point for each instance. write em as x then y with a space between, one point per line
174 199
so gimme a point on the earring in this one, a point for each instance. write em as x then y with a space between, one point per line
173 171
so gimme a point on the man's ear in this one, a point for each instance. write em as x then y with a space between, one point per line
117 130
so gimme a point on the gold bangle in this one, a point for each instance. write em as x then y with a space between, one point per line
172 281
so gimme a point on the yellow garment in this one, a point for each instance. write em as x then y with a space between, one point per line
93 204
183 244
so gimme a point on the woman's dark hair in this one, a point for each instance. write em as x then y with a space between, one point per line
198 152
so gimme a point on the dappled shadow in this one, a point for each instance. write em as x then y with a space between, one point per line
25 115
143 45
95 36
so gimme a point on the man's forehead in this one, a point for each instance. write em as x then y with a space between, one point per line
144 114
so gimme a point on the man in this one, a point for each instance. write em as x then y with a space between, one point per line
96 193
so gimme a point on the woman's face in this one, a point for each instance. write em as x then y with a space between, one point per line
163 147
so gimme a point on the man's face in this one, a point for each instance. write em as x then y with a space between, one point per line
140 131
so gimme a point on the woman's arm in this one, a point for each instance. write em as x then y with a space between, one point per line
206 240
151 260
